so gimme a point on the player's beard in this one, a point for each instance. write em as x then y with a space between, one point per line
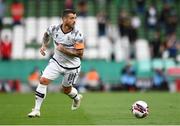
71 26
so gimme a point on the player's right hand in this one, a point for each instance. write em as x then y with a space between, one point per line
42 50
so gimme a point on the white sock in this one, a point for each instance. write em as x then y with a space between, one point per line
74 94
40 95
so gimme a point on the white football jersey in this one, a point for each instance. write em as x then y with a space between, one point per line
68 40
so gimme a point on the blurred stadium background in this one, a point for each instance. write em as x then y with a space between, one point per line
130 44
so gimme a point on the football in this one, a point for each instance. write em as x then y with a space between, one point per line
140 109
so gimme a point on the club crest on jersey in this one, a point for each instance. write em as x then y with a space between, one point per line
68 38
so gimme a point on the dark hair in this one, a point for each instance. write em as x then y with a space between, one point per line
68 11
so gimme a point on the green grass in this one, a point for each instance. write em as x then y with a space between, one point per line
96 108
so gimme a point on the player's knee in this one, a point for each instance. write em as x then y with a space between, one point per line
67 90
44 81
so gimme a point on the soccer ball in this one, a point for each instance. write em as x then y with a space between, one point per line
140 109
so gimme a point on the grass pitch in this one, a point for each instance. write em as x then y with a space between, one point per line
96 108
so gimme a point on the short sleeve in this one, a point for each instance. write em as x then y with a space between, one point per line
50 30
79 37
79 41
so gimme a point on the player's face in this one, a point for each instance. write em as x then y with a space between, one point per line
70 20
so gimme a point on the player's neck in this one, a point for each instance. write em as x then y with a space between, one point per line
65 29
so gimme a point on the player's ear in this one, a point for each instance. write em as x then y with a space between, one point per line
64 18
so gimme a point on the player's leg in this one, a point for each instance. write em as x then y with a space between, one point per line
70 78
73 94
41 91
50 73
40 95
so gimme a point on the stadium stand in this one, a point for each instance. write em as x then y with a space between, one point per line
142 50
42 24
157 64
18 42
108 54
30 29
105 48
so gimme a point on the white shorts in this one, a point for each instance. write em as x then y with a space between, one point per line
53 70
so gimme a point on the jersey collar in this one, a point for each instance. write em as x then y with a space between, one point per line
65 32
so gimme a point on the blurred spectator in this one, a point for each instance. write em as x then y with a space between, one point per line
168 1
168 19
15 85
33 78
124 23
156 45
151 17
128 78
17 12
103 5
81 86
93 81
140 6
4 86
164 14
172 45
133 29
82 8
172 22
102 23
133 32
135 21
143 83
2 12
5 48
159 80
69 4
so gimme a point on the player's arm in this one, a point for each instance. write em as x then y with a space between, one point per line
46 39
45 43
77 51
